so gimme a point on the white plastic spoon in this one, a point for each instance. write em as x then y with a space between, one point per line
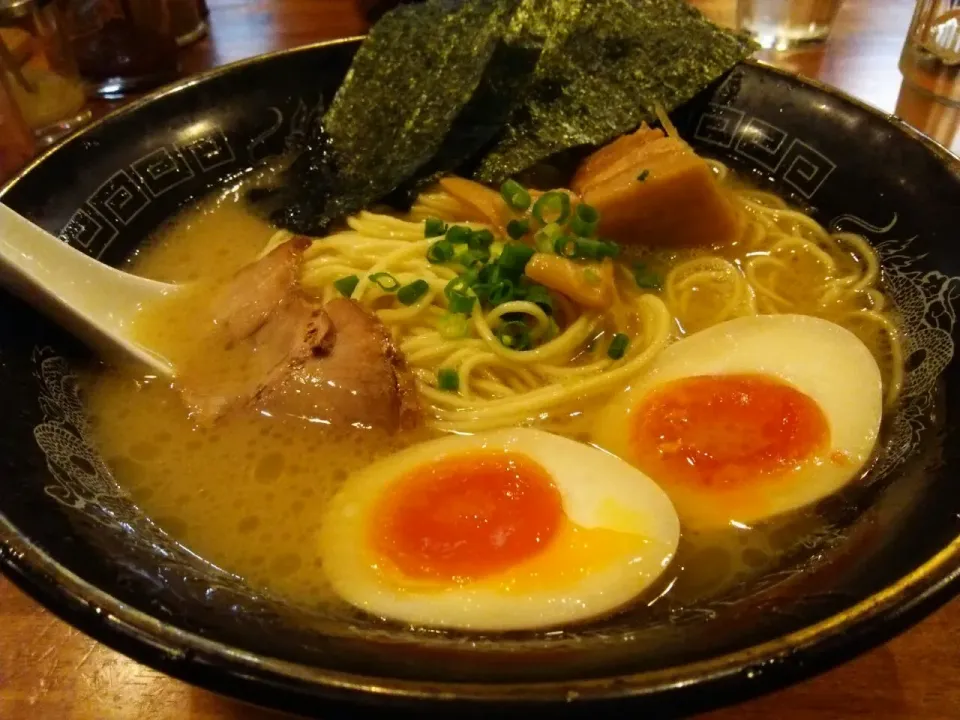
94 301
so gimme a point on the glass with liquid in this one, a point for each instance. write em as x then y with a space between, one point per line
785 24
125 46
17 144
930 60
40 70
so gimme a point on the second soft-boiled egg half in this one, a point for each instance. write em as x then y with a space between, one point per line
750 418
509 530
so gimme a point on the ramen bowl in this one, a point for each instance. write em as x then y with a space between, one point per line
73 539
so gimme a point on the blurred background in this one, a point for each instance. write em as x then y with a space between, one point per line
66 62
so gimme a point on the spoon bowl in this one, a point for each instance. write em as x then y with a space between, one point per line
92 300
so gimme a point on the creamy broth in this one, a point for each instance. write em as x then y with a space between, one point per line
247 494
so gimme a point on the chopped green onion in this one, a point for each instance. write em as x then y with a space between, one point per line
611 249
541 296
346 285
618 346
453 326
457 295
472 258
462 304
565 246
434 227
546 236
643 175
590 249
591 276
385 281
440 252
448 379
410 293
500 293
459 235
514 259
514 335
515 195
516 229
489 274
588 213
552 207
646 278
585 219
480 239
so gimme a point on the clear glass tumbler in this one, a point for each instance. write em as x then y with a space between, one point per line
930 60
40 69
785 24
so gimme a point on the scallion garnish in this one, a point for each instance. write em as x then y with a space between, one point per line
552 207
643 175
515 195
618 346
459 235
434 227
462 304
440 252
565 246
500 293
514 335
516 229
590 249
514 259
646 278
410 293
453 326
473 258
585 219
346 285
385 281
541 296
458 296
448 379
545 237
480 240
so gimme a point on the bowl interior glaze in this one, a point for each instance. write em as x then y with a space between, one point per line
71 537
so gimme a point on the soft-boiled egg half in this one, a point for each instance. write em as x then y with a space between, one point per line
750 418
508 530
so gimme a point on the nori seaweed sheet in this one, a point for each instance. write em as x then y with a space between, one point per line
418 68
602 71
504 83
492 88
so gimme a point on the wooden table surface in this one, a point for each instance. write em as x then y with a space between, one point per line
49 671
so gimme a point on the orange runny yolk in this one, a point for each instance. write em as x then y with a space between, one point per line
467 517
725 430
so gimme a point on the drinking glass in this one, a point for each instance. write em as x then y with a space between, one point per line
785 24
930 60
40 70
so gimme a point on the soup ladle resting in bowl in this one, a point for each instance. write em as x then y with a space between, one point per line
94 301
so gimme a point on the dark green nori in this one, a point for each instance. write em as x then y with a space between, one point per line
506 78
601 73
418 68
492 88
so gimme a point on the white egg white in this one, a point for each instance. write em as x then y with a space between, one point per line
598 491
819 358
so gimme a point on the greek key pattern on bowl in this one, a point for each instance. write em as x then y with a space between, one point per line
790 160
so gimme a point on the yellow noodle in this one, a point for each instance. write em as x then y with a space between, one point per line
500 386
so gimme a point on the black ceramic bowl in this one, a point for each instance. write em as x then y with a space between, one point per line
70 537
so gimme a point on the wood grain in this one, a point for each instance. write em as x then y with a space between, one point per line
48 670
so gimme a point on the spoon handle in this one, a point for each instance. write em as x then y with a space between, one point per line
93 300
